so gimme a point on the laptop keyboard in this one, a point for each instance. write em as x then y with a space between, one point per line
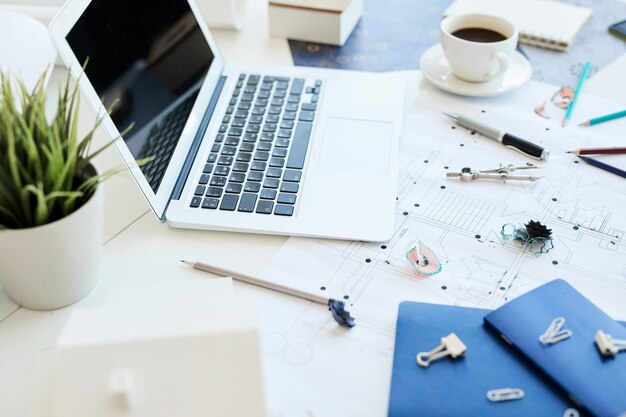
255 164
162 140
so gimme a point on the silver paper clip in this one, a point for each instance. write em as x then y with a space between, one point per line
571 412
503 173
450 345
505 394
607 345
555 333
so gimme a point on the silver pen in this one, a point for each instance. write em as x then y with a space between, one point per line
511 141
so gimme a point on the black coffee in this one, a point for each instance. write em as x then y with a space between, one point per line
479 35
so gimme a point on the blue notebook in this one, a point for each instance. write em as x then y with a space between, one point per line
598 382
459 387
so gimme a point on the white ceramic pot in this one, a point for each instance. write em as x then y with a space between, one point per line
57 264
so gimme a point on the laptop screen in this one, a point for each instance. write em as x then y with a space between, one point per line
146 60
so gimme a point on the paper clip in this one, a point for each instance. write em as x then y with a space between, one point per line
554 333
571 412
505 394
607 345
450 345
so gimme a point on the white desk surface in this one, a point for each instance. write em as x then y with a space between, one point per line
138 250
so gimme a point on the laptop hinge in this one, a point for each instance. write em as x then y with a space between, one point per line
195 146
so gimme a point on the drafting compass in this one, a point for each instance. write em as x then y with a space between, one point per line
503 173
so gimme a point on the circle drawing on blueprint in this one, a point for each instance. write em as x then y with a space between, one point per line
298 354
273 343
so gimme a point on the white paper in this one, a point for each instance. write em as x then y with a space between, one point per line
314 366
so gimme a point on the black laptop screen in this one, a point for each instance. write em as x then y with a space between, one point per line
147 60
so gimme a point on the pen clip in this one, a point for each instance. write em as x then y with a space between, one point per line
538 158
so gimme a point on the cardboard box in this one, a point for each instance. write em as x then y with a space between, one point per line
320 21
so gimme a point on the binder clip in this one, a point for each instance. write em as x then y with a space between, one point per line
554 333
571 412
450 345
505 394
607 345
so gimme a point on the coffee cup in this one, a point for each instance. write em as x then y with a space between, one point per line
478 47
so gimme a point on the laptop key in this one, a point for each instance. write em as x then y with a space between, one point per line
255 176
253 129
249 89
210 203
268 194
232 102
318 83
250 137
229 150
265 207
254 79
291 107
261 156
271 183
247 97
217 181
287 124
277 162
219 138
297 86
284 198
278 102
289 115
237 177
300 144
200 190
264 146
235 131
267 136
289 187
242 77
315 99
256 120
284 133
245 105
279 152
252 187
232 141
275 110
229 202
293 99
241 167
306 116
309 106
221 170
238 123
247 203
204 179
195 202
269 127
272 118
233 188
258 111
292 175
225 160
208 168
214 192
230 109
282 143
261 102
216 147
283 210
247 147
282 84
258 166
244 157
267 86
274 173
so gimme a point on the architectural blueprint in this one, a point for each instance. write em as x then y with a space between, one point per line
348 371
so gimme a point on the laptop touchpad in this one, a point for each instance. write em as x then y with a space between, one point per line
356 146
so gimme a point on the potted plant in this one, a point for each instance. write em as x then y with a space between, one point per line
50 199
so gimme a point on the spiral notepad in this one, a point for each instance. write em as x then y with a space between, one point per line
545 23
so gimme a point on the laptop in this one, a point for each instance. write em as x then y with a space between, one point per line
264 149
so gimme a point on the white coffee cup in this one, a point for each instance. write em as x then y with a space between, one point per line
478 61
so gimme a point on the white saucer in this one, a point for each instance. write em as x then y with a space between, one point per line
436 69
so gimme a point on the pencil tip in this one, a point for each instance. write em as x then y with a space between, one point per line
568 152
564 123
586 123
452 116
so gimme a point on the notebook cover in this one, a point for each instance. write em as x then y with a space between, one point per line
459 387
596 381
545 23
